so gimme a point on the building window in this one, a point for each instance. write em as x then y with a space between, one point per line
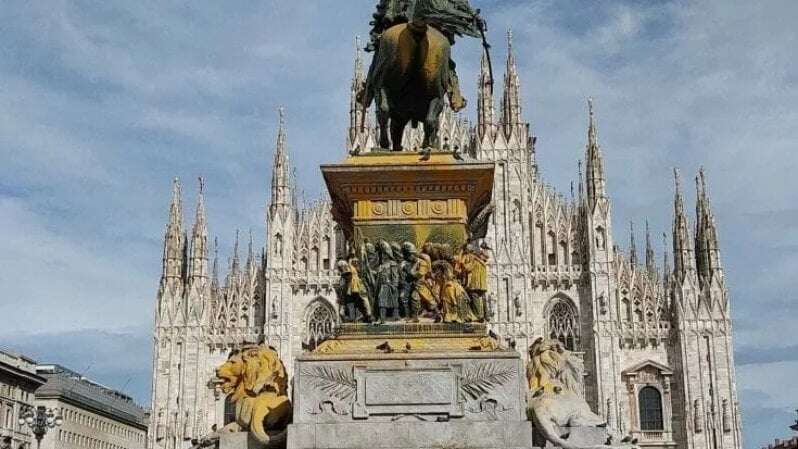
563 323
650 409
551 248
315 259
229 410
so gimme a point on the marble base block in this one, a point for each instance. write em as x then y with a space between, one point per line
361 398
238 440
411 435
244 440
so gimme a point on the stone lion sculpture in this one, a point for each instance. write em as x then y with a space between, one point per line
555 404
257 383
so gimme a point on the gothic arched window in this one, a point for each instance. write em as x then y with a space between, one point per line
321 320
325 263
541 238
314 258
650 402
551 248
626 309
564 323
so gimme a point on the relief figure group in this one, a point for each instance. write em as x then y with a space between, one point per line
387 282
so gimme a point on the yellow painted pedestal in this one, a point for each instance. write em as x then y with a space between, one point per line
398 197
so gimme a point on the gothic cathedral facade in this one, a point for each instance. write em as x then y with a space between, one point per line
655 340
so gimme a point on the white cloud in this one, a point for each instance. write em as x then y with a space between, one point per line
57 284
101 104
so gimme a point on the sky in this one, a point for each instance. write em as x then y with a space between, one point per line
103 103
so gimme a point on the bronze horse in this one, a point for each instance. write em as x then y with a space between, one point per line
408 80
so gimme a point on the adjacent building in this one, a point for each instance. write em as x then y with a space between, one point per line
94 416
656 338
791 443
18 382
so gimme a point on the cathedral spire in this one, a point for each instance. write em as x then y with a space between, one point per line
199 237
632 245
174 244
281 171
650 263
250 264
596 184
356 112
485 117
358 60
706 241
511 101
234 262
666 265
683 259
215 269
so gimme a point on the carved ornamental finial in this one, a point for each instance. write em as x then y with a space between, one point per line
591 130
632 245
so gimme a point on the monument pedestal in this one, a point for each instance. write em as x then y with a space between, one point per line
410 386
411 435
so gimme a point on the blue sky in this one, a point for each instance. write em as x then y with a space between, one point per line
103 103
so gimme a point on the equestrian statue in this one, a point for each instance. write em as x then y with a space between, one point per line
412 72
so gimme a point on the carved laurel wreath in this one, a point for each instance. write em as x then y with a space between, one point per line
337 383
475 382
479 380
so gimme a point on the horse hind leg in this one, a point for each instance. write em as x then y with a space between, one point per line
397 130
383 119
431 138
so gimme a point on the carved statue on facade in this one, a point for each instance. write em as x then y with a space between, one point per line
412 71
560 413
256 381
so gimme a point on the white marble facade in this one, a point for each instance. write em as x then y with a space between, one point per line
655 338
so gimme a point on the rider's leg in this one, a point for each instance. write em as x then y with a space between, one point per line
456 100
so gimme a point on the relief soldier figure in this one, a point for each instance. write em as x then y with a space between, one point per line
370 264
473 273
406 281
387 284
352 293
452 297
422 294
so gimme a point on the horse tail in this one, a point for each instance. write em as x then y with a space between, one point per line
418 28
